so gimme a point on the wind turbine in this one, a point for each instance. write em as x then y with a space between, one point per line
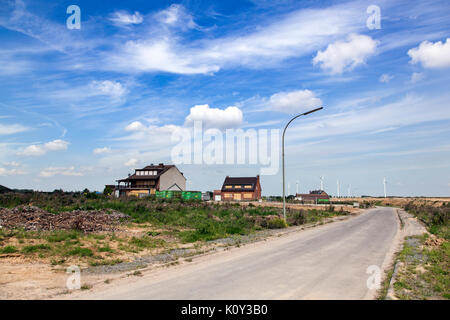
321 183
349 190
296 187
338 190
384 185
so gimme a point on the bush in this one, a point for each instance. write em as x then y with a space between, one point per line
276 223
62 235
79 251
8 249
34 248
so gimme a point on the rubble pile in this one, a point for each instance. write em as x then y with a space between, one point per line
33 218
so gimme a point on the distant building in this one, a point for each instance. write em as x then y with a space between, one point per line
313 196
239 189
152 178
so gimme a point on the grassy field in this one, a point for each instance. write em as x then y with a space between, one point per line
155 226
424 262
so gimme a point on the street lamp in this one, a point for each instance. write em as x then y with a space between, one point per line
282 154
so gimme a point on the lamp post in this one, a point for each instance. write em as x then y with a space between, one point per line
282 155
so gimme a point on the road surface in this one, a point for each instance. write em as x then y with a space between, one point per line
325 262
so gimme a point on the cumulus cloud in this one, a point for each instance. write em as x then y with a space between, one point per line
294 101
6 129
385 78
135 126
131 163
59 171
230 117
41 149
102 150
125 18
109 88
431 55
343 56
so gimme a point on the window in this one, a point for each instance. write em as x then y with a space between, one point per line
248 195
238 187
248 187
228 187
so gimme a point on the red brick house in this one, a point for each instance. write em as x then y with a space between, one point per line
312 196
239 189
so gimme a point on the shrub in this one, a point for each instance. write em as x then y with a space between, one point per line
34 248
79 251
276 223
8 249
62 235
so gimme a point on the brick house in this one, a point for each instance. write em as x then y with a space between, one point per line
313 196
152 178
239 189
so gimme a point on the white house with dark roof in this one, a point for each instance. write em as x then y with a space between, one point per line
152 178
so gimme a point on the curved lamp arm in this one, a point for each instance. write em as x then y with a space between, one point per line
282 154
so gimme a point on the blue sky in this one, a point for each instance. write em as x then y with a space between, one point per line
82 108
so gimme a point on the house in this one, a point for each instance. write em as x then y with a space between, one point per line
314 196
152 178
239 189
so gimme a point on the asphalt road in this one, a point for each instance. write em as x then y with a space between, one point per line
325 262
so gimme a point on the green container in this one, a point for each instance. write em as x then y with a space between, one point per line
191 195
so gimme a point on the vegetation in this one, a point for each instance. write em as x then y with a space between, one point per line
424 262
424 271
161 224
435 217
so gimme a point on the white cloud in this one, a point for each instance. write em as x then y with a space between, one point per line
125 18
109 88
59 171
176 15
379 118
11 164
135 126
385 78
11 172
344 56
6 129
131 163
41 149
230 117
102 150
293 35
417 76
294 101
431 55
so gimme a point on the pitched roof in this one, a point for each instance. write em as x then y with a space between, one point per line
160 169
240 181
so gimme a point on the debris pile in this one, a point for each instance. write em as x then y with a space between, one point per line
33 218
434 241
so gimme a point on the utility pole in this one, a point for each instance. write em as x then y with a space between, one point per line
282 155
